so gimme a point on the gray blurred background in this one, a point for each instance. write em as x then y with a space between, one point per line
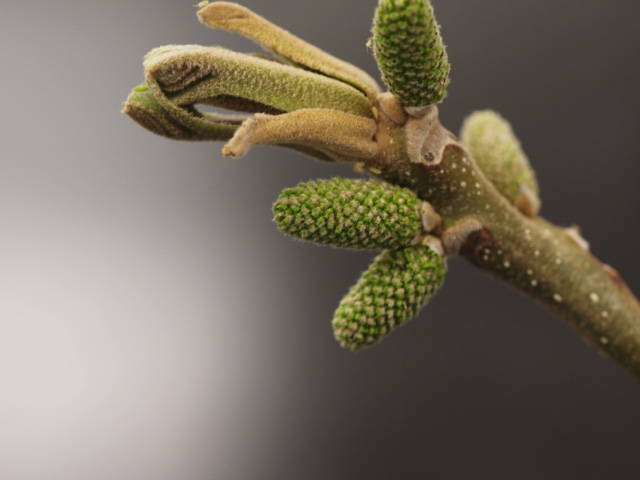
155 325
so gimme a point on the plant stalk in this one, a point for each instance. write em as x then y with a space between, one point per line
552 265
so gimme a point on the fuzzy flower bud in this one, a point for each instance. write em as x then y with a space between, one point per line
366 214
409 51
393 290
498 153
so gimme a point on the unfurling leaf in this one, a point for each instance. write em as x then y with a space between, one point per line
238 19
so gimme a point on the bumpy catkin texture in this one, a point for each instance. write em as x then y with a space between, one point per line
409 50
366 214
394 288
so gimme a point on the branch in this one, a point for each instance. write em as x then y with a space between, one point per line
552 265
432 196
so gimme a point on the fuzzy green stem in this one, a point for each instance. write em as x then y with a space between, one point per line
537 258
545 262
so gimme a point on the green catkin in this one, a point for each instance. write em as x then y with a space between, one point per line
364 214
393 290
409 51
497 151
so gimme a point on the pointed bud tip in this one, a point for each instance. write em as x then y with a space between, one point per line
142 108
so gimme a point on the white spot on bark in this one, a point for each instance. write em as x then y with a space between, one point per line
594 297
557 297
604 340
